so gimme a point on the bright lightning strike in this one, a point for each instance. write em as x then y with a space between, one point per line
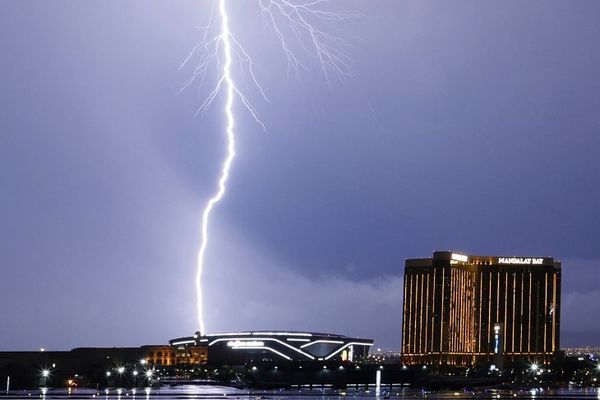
225 38
220 50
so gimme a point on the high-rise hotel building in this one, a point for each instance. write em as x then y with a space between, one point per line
463 310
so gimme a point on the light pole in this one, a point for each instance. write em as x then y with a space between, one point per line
108 375
135 374
120 372
149 374
534 367
45 375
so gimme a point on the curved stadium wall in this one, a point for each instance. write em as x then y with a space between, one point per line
238 348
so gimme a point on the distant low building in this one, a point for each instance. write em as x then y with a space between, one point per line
169 355
463 310
92 365
104 357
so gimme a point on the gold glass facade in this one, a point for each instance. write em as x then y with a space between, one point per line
452 302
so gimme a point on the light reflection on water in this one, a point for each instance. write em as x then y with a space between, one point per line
189 392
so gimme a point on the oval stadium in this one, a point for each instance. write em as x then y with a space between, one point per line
237 348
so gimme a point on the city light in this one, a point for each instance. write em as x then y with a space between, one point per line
149 374
534 367
120 370
45 373
108 373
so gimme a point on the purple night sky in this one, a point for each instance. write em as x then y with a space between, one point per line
465 125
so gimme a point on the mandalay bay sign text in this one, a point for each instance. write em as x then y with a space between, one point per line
520 260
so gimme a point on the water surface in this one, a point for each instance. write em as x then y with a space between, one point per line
201 392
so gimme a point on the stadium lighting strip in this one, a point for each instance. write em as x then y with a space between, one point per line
281 334
346 345
183 342
264 339
321 341
260 334
263 348
229 334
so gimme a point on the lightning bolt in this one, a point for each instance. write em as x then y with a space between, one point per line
229 92
220 49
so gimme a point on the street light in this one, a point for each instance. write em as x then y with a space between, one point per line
534 367
149 374
120 370
135 373
108 374
45 374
